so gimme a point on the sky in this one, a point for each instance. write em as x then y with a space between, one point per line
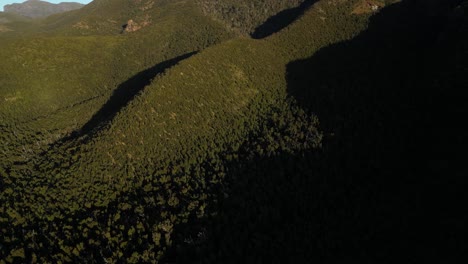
7 2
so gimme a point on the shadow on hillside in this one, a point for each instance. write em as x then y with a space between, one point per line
378 97
125 93
382 187
281 20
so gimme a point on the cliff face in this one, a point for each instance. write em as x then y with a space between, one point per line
37 8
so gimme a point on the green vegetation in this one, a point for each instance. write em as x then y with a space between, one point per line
41 114
158 131
9 23
245 16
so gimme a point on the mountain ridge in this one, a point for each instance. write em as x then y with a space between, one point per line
39 8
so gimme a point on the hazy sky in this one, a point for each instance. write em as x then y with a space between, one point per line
6 2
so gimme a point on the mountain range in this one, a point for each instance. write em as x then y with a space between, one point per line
234 131
38 8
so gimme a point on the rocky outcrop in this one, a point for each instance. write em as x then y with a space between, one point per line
368 6
133 26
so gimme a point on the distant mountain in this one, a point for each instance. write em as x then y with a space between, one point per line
37 8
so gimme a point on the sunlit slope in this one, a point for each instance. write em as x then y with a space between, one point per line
109 16
52 85
36 114
161 30
46 70
323 24
106 16
249 74
225 89
41 75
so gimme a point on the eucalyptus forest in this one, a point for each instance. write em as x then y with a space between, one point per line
234 131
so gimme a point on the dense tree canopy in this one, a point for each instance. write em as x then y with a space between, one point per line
213 132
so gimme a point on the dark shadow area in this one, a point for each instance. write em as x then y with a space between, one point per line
125 93
281 20
124 27
388 101
388 183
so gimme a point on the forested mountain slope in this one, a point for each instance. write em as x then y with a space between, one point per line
10 18
245 16
178 138
11 22
74 93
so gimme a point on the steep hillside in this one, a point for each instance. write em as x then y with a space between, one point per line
109 16
11 22
38 8
387 183
154 32
171 147
99 66
245 16
11 18
151 131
